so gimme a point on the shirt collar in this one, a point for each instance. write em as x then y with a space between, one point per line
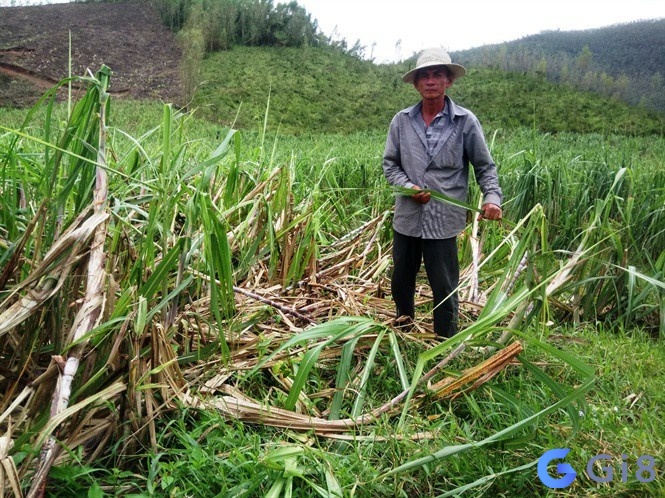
450 108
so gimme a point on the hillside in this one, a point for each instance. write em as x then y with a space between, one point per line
317 90
308 89
129 38
623 60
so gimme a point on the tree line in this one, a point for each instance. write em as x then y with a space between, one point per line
623 62
222 24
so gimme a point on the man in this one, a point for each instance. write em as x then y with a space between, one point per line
429 147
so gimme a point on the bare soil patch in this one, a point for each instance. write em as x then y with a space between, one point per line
128 37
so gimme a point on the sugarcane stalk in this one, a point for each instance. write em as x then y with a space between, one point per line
90 312
8 471
475 257
274 304
478 374
243 408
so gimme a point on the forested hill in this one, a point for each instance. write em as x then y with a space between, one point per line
623 61
231 58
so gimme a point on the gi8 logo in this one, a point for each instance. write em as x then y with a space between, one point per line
646 472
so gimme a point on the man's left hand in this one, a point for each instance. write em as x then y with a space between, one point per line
490 212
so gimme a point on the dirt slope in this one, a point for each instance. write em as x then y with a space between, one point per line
127 36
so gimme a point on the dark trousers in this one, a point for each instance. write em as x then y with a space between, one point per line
442 267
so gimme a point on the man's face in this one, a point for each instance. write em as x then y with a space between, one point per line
432 82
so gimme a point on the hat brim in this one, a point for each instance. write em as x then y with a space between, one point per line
457 70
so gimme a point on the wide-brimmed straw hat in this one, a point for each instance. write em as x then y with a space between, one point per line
434 57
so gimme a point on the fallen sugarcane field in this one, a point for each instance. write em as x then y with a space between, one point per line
191 310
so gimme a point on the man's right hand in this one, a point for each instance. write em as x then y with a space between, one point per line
420 197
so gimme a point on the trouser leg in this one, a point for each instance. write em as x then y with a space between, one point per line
407 255
442 266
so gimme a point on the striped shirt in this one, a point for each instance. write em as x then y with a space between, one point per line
437 158
434 131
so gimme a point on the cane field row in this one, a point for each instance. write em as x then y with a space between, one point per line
188 309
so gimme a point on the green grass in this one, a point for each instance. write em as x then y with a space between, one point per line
204 454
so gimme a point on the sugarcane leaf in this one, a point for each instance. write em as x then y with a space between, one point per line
501 435
438 196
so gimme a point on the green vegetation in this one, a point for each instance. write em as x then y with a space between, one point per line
318 90
205 450
197 304
219 306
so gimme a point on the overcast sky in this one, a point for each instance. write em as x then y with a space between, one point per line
457 25
394 29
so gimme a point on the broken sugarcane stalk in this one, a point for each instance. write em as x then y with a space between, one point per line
452 387
90 312
243 408
262 299
274 304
